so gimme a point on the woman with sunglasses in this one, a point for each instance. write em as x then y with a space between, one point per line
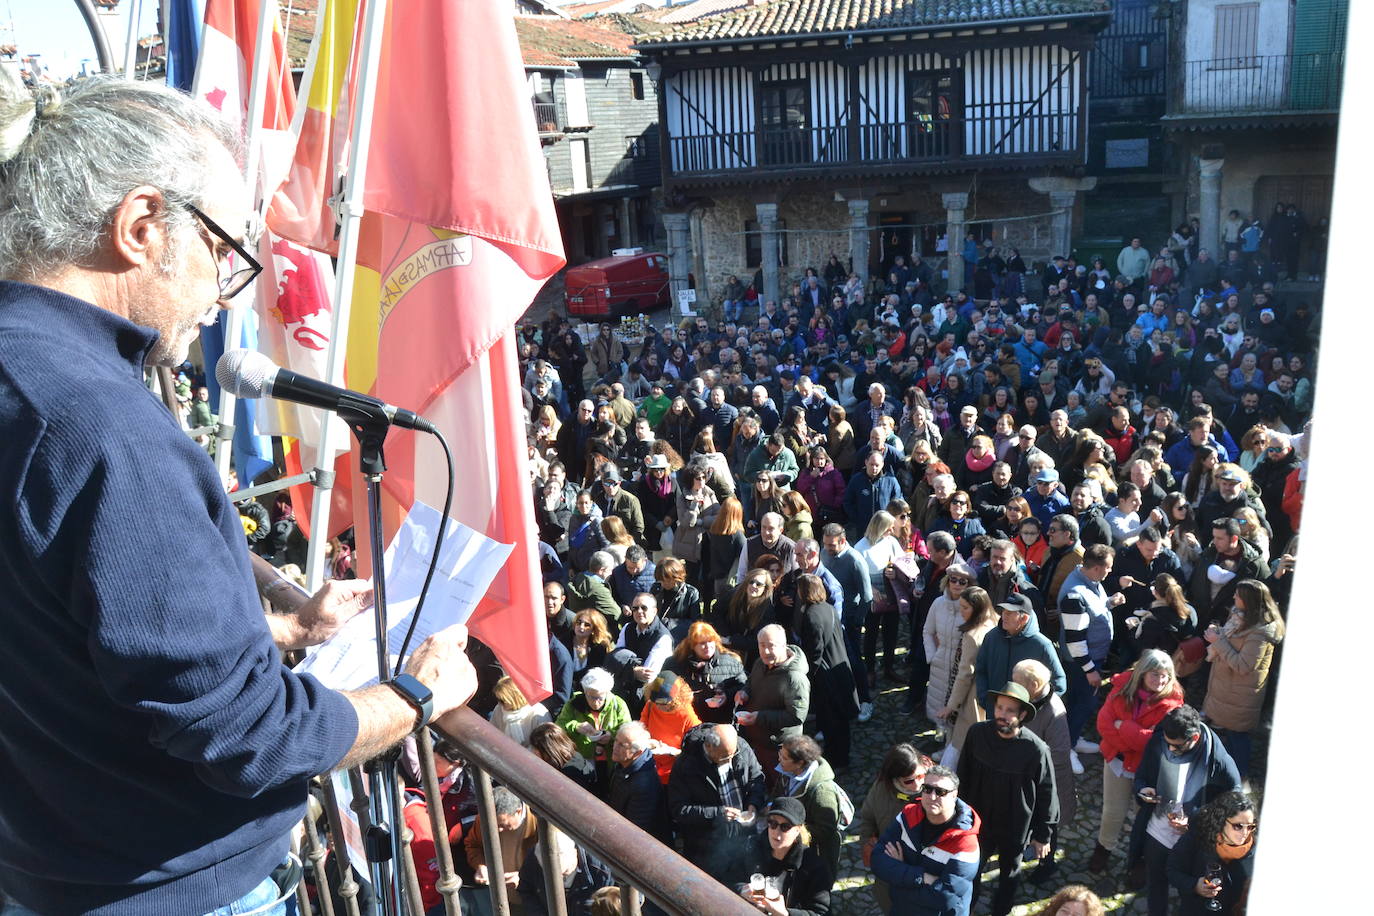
796 881
750 610
1213 861
961 523
898 784
941 637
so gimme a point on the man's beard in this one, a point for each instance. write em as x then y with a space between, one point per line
1004 728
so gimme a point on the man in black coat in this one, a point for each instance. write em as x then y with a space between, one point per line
1007 776
1228 560
715 792
635 792
1093 527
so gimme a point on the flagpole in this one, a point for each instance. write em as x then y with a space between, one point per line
131 39
233 331
350 214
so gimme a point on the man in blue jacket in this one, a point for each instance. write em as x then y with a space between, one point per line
868 493
136 653
929 852
1017 637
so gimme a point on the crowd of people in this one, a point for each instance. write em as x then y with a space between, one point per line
1078 518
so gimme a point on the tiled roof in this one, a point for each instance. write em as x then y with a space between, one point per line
802 17
548 42
697 9
300 29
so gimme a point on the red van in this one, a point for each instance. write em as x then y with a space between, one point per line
621 285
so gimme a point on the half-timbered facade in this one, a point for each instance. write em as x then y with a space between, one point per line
796 128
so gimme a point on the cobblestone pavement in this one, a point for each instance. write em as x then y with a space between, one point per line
853 895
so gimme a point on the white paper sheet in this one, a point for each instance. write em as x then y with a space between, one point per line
468 562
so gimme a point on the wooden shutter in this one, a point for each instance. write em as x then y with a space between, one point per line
1236 41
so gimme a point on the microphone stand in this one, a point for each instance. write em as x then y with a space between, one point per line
382 838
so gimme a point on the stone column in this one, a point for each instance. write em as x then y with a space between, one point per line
1061 224
679 253
768 231
627 224
955 205
1209 206
858 238
698 230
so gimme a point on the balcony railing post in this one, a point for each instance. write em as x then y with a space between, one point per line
348 885
491 843
556 903
629 899
449 882
316 852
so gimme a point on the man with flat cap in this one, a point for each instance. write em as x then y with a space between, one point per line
1007 776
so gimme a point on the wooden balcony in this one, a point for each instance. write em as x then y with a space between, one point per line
997 137
546 117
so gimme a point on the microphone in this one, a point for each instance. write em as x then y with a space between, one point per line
250 374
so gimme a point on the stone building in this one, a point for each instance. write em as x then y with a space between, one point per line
794 128
1253 108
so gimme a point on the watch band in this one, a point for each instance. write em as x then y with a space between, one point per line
417 695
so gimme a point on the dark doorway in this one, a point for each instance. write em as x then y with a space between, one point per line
895 237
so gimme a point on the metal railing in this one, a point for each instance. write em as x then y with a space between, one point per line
546 117
1270 84
637 860
1004 132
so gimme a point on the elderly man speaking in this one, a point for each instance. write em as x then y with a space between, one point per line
154 751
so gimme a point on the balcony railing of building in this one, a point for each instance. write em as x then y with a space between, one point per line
1002 135
546 117
1275 84
637 860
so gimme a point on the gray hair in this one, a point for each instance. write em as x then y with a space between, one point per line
68 159
601 560
1067 522
637 734
942 541
598 679
507 802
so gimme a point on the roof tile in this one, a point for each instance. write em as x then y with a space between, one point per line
800 17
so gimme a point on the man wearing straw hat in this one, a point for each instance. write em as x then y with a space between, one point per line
1006 774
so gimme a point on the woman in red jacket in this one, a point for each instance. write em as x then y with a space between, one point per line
1140 698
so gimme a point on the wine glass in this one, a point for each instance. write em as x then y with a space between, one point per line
1213 878
1177 815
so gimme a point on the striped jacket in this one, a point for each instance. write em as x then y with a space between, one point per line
952 859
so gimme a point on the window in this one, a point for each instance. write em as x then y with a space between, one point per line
1236 41
580 152
753 245
637 86
783 120
930 105
575 100
636 148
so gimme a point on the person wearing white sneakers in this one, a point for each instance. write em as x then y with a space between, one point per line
1086 617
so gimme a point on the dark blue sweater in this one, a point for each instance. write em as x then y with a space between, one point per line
153 749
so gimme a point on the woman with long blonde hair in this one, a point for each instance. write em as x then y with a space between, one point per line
1139 699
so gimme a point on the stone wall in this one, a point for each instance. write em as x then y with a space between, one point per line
816 224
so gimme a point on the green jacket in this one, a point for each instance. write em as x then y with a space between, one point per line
821 799
781 697
587 591
576 711
785 462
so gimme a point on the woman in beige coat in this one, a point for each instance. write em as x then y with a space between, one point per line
962 708
1241 653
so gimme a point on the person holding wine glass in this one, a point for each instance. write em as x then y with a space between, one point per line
1210 866
787 876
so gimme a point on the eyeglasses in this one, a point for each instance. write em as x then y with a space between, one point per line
958 502
781 826
913 778
957 580
756 584
1178 745
1243 828
232 285
641 607
936 791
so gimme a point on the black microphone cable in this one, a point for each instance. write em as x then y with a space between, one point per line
434 559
